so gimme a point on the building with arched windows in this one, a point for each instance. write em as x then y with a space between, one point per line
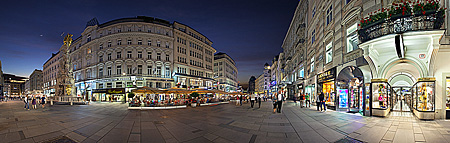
111 59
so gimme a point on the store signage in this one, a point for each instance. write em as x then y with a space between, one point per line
115 91
300 86
327 75
110 91
274 83
422 56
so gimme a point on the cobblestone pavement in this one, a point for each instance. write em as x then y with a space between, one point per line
112 122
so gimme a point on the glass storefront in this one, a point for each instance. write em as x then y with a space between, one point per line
380 100
423 96
447 92
329 93
310 90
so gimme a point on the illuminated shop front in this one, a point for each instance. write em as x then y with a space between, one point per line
350 89
326 84
380 97
111 95
423 98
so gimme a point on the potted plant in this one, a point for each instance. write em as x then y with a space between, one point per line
440 15
379 17
193 96
427 8
400 10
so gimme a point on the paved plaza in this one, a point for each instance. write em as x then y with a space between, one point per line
112 122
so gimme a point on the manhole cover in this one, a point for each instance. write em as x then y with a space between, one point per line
62 139
158 122
164 117
348 140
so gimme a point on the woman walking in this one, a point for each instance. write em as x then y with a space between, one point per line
43 102
33 102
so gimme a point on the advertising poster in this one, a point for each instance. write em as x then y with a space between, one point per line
343 98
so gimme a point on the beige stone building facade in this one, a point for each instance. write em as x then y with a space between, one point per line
370 69
225 73
127 53
50 74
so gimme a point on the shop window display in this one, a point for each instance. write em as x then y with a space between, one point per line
447 92
380 95
423 96
328 91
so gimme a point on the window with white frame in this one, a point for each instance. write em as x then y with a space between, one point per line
313 36
301 73
329 49
109 71
312 64
119 70
139 42
139 54
314 12
329 14
149 70
129 42
129 54
119 42
352 38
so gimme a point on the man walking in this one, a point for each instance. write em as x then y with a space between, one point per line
240 100
259 101
27 105
308 103
252 100
279 102
322 102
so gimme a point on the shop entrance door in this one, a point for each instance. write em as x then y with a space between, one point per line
355 97
401 98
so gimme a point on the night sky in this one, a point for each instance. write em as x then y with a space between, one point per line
251 32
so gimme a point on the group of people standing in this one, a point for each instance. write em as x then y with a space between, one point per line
34 101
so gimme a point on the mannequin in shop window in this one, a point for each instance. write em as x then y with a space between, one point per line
380 95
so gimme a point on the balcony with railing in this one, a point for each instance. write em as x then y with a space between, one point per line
401 18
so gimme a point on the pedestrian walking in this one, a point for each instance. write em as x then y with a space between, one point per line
43 102
237 100
322 102
308 102
252 100
280 102
240 100
27 106
318 103
259 101
275 103
301 100
33 102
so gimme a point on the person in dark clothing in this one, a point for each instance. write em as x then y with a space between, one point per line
322 102
259 101
240 100
279 102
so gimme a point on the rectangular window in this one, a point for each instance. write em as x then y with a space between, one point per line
109 44
329 49
167 72
158 44
129 42
314 12
158 70
347 1
329 14
129 54
119 30
108 85
139 69
119 70
139 54
139 42
109 56
101 46
119 55
312 64
119 42
100 58
109 71
149 70
129 69
167 57
158 56
100 85
301 73
352 38
313 37
149 42
149 55
118 84
100 72
167 44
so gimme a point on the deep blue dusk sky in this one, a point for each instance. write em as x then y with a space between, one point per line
250 31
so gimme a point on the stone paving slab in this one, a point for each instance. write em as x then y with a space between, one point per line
112 122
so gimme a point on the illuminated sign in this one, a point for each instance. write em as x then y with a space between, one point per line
327 75
343 97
